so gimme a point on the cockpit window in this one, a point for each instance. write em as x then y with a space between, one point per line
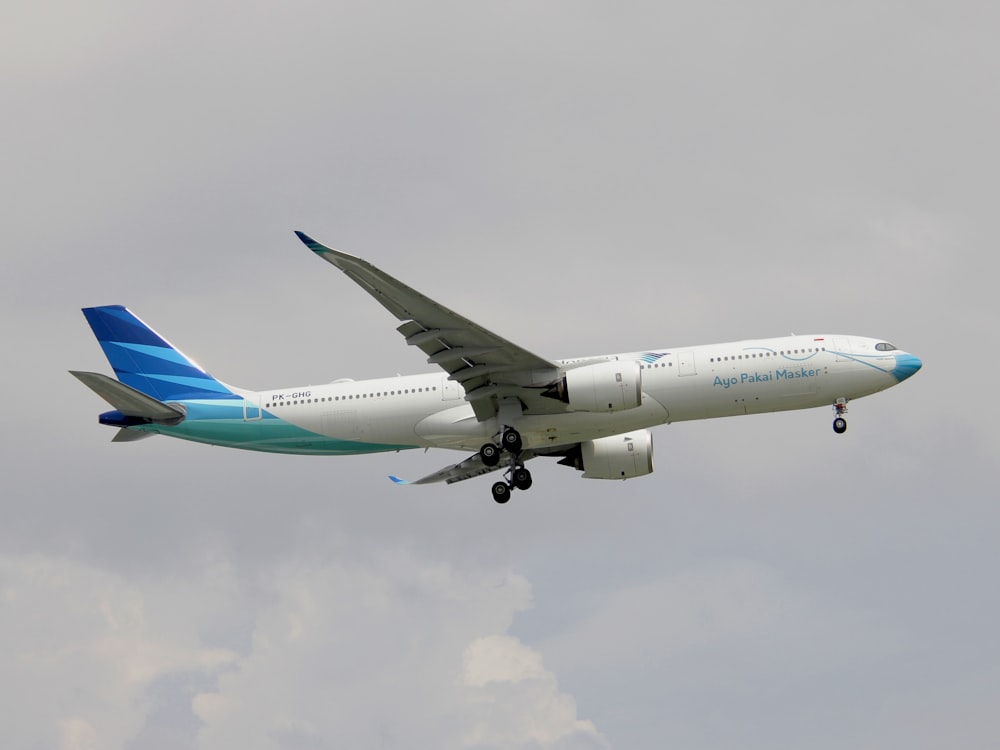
886 347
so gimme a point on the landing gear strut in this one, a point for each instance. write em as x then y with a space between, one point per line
839 410
517 477
510 441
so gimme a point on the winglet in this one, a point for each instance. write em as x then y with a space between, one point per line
397 480
309 242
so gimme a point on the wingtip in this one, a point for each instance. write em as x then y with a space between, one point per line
397 480
309 242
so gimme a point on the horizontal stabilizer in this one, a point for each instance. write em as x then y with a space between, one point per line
125 435
128 400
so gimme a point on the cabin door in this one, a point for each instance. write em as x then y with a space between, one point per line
685 363
251 408
450 390
842 349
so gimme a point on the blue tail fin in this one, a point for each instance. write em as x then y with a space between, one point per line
146 361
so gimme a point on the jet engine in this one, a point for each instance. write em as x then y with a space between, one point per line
616 457
602 387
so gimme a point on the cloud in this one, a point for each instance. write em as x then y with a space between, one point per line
513 701
578 179
92 644
399 652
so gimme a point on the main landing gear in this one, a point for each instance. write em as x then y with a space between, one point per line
839 410
518 477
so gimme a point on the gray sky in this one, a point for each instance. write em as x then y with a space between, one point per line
580 178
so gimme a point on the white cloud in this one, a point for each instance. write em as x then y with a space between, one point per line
91 644
513 701
641 176
499 659
404 652
396 651
77 734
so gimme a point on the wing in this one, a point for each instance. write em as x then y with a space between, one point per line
487 366
471 467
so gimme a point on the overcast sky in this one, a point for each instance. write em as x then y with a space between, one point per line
580 178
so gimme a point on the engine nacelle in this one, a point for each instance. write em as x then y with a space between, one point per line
618 457
602 387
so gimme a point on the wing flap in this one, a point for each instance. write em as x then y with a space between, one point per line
468 468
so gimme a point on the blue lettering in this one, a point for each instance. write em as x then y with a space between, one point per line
801 372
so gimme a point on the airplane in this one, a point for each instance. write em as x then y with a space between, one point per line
492 398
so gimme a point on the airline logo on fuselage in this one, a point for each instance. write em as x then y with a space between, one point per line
784 373
651 357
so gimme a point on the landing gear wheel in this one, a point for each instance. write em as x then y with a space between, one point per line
521 478
490 454
501 492
840 425
511 441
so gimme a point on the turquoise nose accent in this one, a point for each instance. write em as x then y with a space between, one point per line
906 365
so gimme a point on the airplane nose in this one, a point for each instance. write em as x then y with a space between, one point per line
906 365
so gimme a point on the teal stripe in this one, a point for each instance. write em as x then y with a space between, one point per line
221 423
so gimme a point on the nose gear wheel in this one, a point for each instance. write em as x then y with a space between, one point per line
839 410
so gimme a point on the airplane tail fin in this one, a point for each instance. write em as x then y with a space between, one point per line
145 361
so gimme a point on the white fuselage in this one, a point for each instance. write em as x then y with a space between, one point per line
678 384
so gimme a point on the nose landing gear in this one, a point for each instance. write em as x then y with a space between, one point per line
839 410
